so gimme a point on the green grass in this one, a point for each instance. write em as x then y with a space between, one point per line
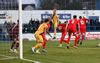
87 53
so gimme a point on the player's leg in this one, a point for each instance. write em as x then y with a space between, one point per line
61 40
79 37
55 31
82 38
45 40
44 44
69 37
76 38
17 45
83 33
38 46
64 35
12 45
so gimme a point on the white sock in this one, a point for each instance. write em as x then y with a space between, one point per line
37 50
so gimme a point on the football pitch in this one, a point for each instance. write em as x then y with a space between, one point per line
87 53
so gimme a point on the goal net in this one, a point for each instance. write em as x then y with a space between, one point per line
9 29
11 44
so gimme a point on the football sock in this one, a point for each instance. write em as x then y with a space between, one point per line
61 40
79 37
44 44
68 40
82 38
75 44
39 46
17 45
13 44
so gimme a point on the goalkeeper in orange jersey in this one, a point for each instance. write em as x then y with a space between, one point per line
38 35
63 28
55 22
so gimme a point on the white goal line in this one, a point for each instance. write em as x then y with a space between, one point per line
7 57
31 61
11 57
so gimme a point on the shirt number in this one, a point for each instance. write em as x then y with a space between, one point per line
73 21
82 22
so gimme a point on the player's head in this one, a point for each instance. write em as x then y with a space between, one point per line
13 24
54 10
47 20
80 17
65 22
74 17
84 17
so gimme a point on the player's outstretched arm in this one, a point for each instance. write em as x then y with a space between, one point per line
87 20
49 33
44 32
78 27
66 26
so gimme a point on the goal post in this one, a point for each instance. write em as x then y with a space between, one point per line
20 28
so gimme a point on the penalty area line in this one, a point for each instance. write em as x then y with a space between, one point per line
31 60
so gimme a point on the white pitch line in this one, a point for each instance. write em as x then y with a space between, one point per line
10 57
89 48
7 57
31 60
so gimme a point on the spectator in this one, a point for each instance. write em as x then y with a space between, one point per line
97 20
30 22
96 24
91 24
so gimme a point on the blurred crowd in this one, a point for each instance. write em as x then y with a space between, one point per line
94 24
5 30
33 25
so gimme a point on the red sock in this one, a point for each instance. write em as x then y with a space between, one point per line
82 37
78 37
68 40
17 45
44 44
61 40
75 44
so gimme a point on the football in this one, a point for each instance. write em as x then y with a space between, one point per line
60 28
98 45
